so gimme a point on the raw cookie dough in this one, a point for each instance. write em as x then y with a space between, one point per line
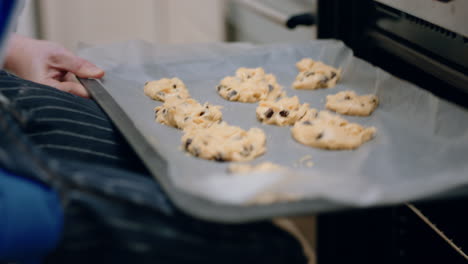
329 131
275 91
187 113
285 111
222 142
245 74
261 167
249 86
164 88
315 74
349 103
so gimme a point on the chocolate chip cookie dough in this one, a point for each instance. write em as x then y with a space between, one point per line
285 111
187 113
249 86
315 74
222 142
161 89
329 131
349 103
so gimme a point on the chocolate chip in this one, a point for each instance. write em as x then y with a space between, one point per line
307 123
347 97
156 111
202 113
164 110
174 86
284 113
374 101
232 94
362 105
269 113
219 157
319 136
186 118
323 81
188 142
309 74
300 118
196 152
270 88
247 150
146 83
219 87
333 75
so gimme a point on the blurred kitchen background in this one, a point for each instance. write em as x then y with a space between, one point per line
70 22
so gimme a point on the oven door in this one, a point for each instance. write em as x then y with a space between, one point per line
417 42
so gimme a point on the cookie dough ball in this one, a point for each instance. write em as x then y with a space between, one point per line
349 103
275 91
161 89
247 168
222 142
249 86
304 64
235 89
315 74
245 74
283 112
187 113
329 131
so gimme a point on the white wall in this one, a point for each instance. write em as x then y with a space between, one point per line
103 21
27 22
163 21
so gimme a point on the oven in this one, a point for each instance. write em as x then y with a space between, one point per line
426 43
423 42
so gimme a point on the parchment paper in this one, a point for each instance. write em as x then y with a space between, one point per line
420 149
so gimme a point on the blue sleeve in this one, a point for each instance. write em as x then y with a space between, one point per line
9 12
31 219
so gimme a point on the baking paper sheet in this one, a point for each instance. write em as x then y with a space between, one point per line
420 149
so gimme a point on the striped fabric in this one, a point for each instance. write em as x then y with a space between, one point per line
68 127
114 211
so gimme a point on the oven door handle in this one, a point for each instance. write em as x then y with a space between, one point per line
291 22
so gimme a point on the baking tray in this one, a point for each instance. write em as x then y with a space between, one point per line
418 151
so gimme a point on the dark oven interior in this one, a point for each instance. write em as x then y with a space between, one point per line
411 48
435 59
